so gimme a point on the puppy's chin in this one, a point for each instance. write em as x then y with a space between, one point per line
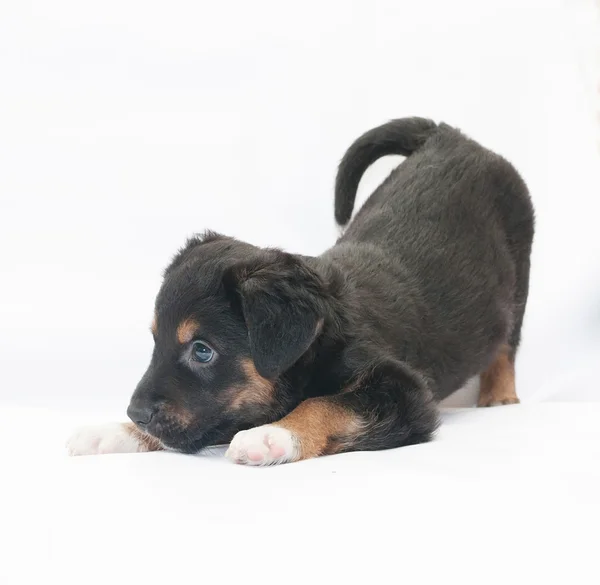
185 447
191 441
175 438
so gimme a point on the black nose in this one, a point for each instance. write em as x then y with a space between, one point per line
141 414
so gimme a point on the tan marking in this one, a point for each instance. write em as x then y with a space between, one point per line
182 416
257 390
497 383
322 427
186 330
147 442
154 326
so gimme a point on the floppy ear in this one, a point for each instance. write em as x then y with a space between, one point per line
283 302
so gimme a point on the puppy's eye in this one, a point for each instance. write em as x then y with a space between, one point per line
201 352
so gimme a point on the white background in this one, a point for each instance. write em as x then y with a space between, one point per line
126 126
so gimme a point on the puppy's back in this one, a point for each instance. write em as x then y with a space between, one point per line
441 244
448 183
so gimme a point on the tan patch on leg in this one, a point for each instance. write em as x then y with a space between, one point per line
258 390
147 442
321 427
186 330
497 383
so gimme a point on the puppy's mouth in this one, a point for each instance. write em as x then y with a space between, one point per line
177 438
189 440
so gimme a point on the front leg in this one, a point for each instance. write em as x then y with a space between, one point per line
111 438
386 408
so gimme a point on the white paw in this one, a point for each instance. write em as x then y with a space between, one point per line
266 445
100 439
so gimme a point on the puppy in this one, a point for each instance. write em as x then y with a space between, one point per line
291 357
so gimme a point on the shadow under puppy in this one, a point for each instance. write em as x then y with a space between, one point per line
290 357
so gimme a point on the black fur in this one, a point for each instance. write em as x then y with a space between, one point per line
282 303
418 295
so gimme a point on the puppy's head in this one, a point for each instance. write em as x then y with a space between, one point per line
230 319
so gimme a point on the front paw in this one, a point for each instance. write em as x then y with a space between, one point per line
266 445
105 438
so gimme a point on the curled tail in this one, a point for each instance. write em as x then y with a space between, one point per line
402 136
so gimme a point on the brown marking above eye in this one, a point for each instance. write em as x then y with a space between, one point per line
186 330
257 390
154 325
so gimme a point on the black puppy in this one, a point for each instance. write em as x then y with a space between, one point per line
350 350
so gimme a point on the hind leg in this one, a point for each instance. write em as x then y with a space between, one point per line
497 383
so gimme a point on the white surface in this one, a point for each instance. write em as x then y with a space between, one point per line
504 495
126 126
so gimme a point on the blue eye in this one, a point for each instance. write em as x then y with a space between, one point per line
201 352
